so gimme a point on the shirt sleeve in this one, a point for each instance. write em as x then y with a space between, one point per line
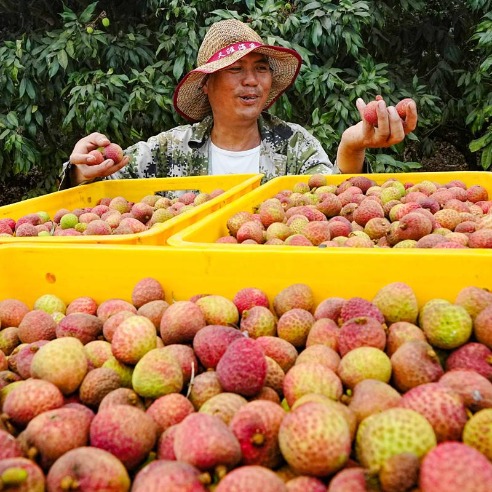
310 156
143 158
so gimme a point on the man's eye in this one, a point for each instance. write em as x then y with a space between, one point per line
235 69
262 68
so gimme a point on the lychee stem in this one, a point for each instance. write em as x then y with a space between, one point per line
205 478
69 483
13 476
258 439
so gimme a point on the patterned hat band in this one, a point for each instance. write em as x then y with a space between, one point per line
226 42
233 48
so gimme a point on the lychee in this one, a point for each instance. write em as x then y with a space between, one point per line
455 467
391 432
205 441
315 439
93 467
242 369
125 431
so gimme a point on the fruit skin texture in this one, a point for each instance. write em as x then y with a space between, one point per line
12 311
455 467
133 338
315 439
169 410
146 290
61 361
114 152
364 363
218 310
415 363
125 431
168 475
243 367
211 342
401 107
473 356
157 373
30 398
180 322
475 389
441 406
9 446
370 113
311 377
55 432
304 483
85 327
34 481
360 332
294 296
398 302
37 325
446 325
224 405
294 326
350 480
372 396
252 479
248 297
391 432
205 441
478 432
482 327
91 468
97 384
256 426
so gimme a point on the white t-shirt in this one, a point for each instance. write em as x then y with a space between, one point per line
231 162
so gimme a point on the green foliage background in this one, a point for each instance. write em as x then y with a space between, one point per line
64 74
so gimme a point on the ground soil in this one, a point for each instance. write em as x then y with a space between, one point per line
445 156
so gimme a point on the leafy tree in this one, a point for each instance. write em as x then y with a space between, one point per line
73 67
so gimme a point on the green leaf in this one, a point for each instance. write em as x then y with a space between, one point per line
178 67
86 15
12 119
62 59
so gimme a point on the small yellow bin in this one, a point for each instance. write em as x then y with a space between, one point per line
234 186
111 271
209 229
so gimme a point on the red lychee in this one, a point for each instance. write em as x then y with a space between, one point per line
370 113
114 152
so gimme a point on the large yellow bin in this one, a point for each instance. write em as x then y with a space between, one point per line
111 271
209 229
234 186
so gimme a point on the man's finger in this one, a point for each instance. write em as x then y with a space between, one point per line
411 117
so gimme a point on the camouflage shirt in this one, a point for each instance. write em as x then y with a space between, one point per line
286 148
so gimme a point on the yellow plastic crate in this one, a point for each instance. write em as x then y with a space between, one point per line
208 230
234 186
111 271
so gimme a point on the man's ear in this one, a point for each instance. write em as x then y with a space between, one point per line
204 84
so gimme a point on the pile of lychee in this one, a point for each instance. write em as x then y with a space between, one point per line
360 213
247 394
111 215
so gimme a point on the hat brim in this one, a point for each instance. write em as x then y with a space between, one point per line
191 102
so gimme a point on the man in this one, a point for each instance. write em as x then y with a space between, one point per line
237 79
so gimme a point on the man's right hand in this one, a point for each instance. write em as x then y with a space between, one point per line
84 168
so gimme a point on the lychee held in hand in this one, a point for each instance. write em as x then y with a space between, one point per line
370 111
402 106
114 152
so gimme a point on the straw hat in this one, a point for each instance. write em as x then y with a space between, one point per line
226 42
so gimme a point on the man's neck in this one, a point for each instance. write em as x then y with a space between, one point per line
236 138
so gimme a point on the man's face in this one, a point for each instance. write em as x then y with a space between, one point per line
241 90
